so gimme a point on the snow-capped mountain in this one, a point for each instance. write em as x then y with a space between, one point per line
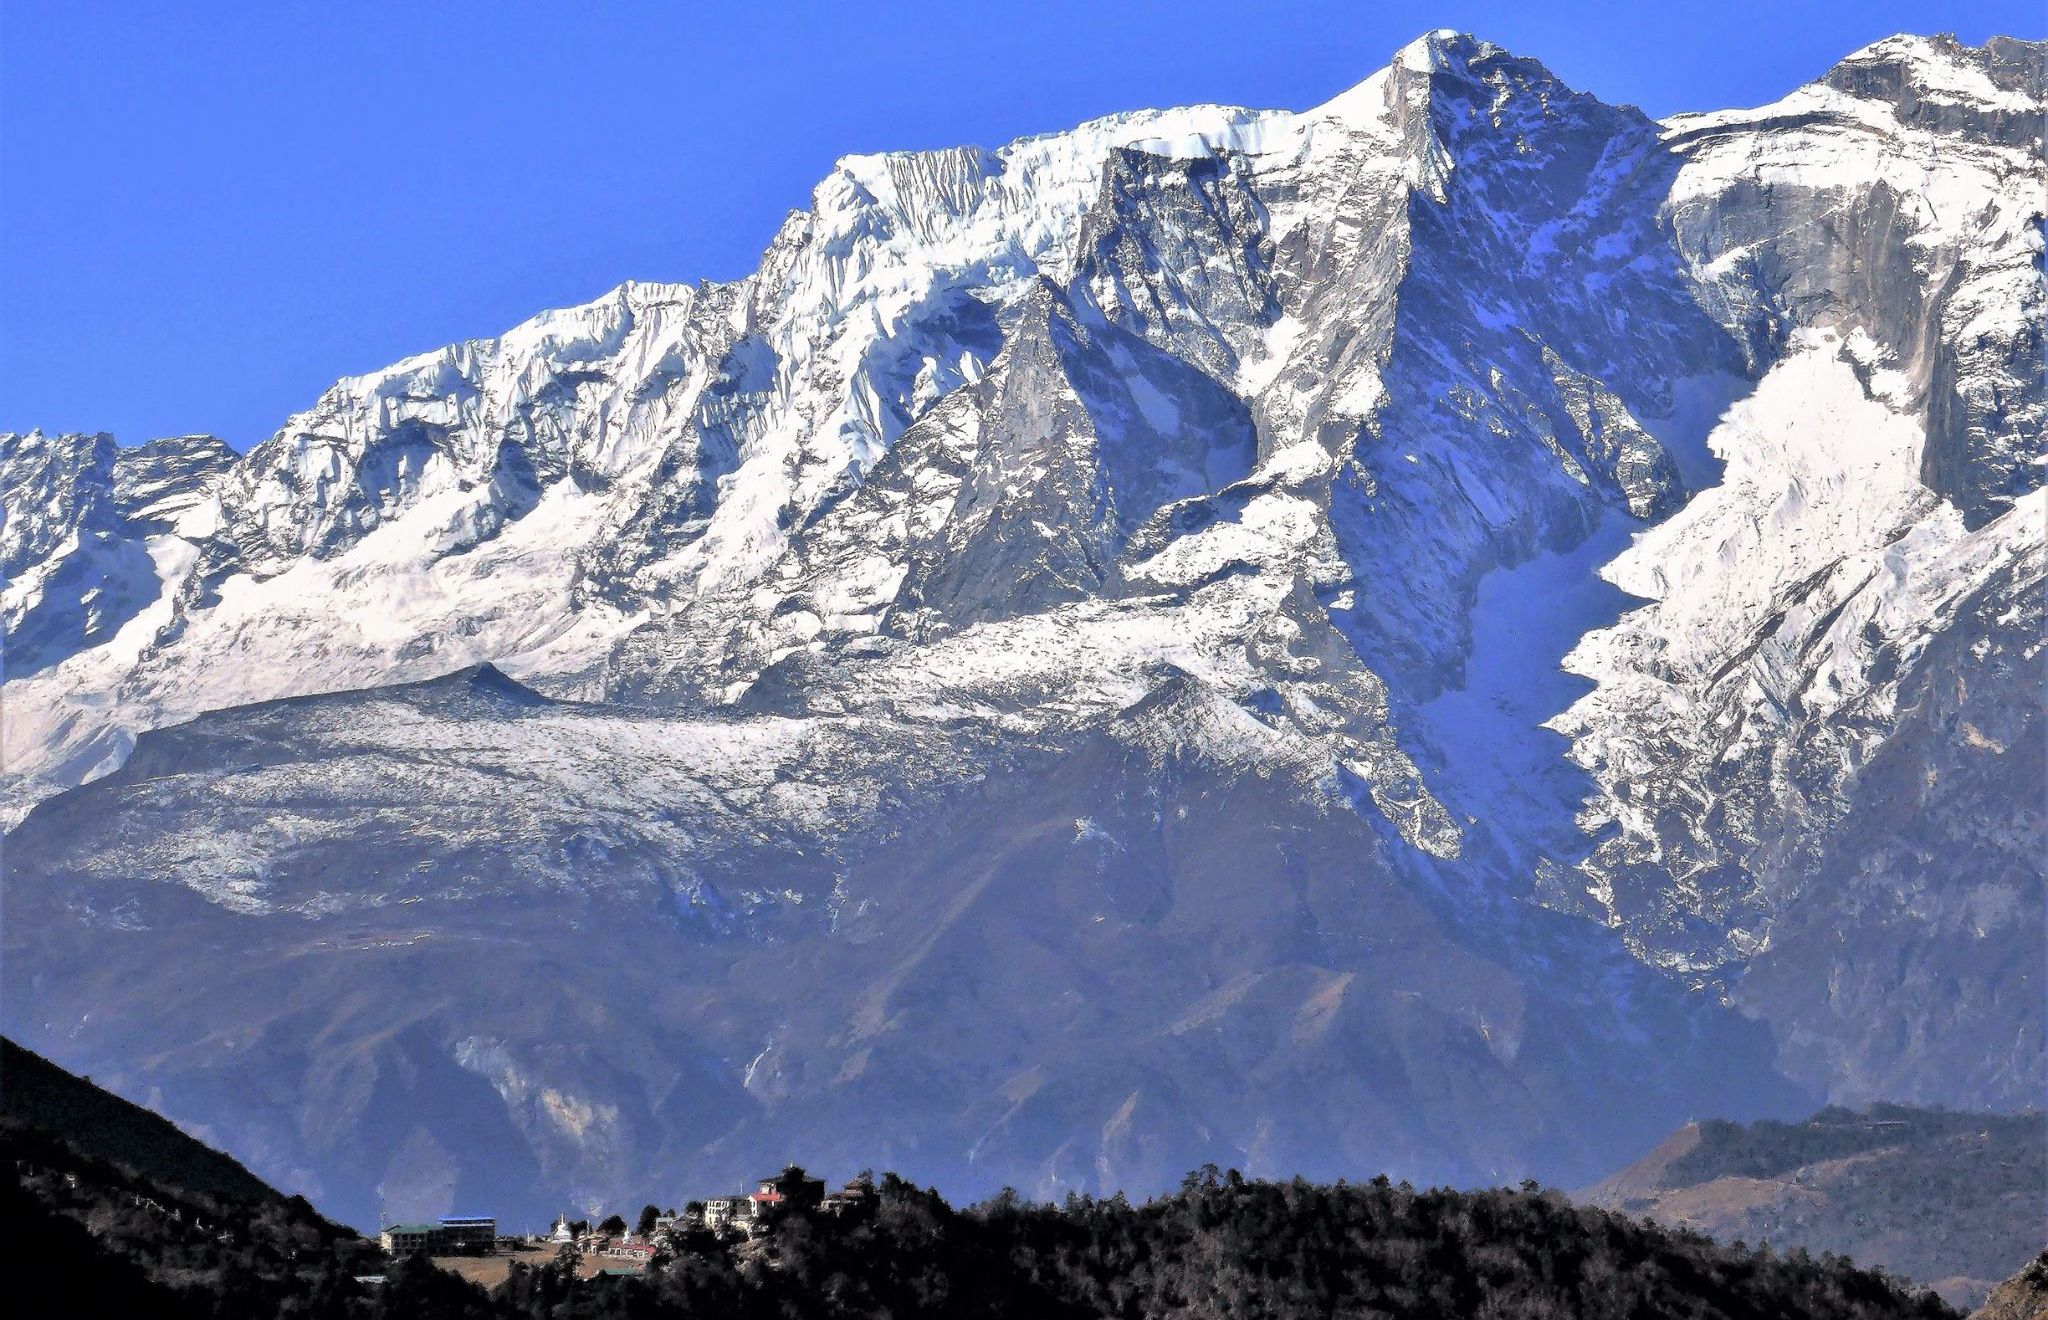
1428 632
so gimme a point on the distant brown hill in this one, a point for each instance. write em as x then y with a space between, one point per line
2022 1297
1951 1200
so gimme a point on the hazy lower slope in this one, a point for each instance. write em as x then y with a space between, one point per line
612 951
1949 1199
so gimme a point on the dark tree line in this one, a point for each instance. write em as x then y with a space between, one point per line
1220 1246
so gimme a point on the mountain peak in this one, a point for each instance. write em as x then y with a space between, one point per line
2002 75
1940 85
1442 66
1443 50
1438 50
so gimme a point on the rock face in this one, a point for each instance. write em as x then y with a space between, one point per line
74 548
1426 633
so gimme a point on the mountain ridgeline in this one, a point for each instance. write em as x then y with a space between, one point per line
1447 633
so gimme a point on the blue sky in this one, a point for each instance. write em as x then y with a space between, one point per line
208 213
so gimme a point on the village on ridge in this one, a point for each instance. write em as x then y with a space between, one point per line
714 1223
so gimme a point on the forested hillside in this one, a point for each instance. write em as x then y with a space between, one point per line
138 1219
37 1093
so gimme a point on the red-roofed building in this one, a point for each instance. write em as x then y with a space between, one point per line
788 1190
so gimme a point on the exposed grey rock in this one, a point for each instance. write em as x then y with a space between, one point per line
75 513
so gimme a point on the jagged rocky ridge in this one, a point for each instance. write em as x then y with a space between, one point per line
1049 676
